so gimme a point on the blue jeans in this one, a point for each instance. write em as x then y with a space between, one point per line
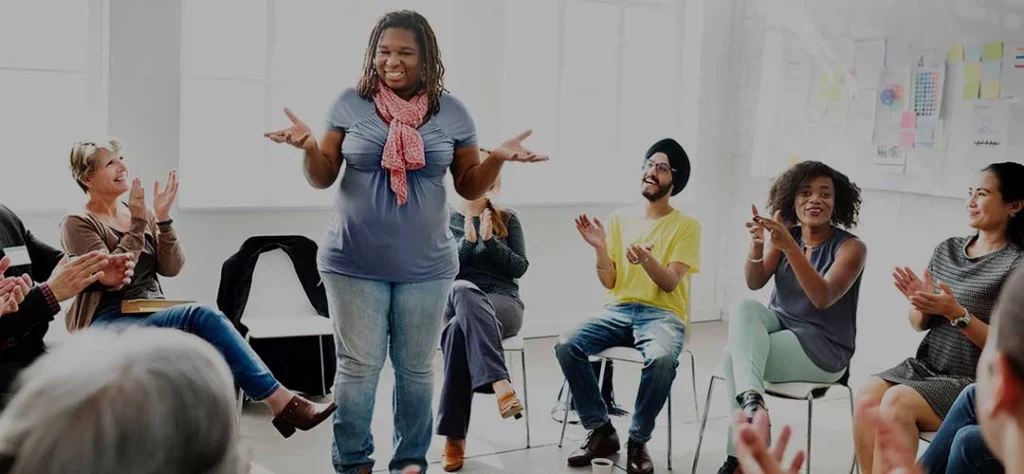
373 319
656 333
958 446
211 326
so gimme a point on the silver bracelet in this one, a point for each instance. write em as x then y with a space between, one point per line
751 260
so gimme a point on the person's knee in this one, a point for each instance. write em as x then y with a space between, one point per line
969 446
898 404
463 290
745 313
566 349
869 397
662 366
206 316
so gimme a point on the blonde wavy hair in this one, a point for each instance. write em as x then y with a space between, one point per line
82 153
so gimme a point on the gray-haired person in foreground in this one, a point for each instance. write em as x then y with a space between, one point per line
148 401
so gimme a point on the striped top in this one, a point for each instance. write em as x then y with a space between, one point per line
975 282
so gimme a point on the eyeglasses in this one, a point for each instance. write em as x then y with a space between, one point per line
660 167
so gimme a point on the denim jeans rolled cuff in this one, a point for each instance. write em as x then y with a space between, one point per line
210 325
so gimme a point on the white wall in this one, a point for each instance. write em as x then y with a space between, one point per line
144 112
898 228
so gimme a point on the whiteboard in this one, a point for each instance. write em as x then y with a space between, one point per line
790 125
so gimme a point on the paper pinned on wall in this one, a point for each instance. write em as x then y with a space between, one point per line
1013 71
972 72
925 133
972 90
868 61
909 119
907 138
973 52
956 54
1016 122
987 129
990 90
993 51
991 70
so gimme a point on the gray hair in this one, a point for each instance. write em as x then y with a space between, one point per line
147 401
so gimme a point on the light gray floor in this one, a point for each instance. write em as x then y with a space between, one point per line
498 446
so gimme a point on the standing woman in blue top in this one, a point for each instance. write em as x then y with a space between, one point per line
388 259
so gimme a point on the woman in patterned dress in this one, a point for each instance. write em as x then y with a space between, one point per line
952 300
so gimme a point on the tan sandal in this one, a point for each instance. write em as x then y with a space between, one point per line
453 458
509 405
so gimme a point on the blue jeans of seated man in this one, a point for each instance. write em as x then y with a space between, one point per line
958 446
212 326
372 320
656 333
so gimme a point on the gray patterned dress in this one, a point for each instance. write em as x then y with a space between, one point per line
946 360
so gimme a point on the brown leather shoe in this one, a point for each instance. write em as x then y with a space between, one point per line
509 406
638 459
302 414
454 456
596 446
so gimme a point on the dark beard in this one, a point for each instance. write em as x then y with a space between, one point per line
660 193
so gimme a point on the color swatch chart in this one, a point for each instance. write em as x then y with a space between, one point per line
927 92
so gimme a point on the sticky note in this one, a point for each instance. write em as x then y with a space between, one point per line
956 54
907 139
972 90
972 72
991 89
990 70
993 51
973 52
925 131
909 120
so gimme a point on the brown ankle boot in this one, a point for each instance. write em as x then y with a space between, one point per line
302 414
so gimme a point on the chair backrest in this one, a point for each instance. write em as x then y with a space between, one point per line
276 291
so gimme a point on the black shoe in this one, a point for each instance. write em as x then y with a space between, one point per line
638 459
752 403
597 445
730 466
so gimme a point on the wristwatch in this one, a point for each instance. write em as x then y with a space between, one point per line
962 321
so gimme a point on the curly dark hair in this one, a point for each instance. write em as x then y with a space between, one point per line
433 78
782 196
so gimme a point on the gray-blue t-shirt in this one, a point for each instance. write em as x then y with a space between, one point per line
369 235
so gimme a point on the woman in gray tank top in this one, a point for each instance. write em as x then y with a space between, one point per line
807 332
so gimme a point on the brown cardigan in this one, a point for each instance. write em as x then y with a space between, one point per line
83 233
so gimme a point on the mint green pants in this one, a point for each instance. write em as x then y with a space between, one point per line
760 350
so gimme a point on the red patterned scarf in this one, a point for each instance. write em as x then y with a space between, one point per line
404 147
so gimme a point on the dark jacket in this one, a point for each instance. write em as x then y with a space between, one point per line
22 332
294 361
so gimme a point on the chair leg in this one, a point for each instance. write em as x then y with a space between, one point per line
238 412
323 378
693 381
670 429
565 415
526 396
810 421
703 422
853 465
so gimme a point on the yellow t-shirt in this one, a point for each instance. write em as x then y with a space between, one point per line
676 238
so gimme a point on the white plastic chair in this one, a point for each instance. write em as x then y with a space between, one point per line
278 307
790 391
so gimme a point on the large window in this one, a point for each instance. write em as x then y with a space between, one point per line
598 81
52 92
